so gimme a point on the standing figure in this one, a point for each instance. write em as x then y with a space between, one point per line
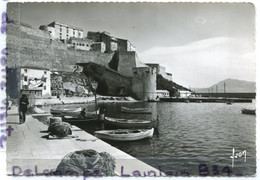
23 107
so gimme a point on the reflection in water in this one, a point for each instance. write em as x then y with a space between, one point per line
191 136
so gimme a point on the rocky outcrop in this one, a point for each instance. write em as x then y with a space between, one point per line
69 84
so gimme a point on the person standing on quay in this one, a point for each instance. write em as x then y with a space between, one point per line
23 107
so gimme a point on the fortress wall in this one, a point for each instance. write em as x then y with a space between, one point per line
127 61
28 46
31 47
25 48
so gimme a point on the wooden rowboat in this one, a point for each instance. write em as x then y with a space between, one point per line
136 110
66 111
124 134
84 116
76 119
248 111
128 123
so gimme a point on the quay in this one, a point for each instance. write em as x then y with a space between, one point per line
28 152
80 100
207 100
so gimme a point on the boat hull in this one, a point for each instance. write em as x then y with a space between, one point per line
248 111
66 112
128 123
122 135
73 119
87 116
136 110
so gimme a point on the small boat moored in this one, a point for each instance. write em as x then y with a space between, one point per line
129 123
84 116
66 111
136 110
248 111
124 134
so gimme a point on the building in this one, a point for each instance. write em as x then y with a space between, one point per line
125 45
98 47
62 31
35 82
184 94
79 43
161 70
112 43
162 93
106 38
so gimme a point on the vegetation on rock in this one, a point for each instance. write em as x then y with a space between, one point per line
165 84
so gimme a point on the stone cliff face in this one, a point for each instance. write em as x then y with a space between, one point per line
69 84
110 82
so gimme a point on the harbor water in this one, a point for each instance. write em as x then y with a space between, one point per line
192 139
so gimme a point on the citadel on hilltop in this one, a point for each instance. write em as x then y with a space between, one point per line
95 41
59 47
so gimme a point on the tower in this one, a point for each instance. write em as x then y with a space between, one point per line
144 83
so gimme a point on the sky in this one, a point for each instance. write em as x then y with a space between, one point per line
199 43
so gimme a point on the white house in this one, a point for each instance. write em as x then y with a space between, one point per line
162 93
62 31
184 93
35 81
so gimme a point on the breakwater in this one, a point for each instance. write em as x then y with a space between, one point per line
207 100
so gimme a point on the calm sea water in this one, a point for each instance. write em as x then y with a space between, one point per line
192 138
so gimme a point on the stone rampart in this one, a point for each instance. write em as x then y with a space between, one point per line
29 47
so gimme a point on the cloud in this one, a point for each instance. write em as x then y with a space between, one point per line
203 63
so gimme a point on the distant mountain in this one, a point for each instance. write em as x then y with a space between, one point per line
231 86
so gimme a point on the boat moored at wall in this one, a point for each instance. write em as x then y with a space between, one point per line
124 134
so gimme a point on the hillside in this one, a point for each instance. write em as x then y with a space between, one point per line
231 86
164 84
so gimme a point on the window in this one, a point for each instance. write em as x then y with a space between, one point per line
45 72
44 87
25 78
25 70
25 87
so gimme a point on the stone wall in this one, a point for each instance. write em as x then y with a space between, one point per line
127 61
32 47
